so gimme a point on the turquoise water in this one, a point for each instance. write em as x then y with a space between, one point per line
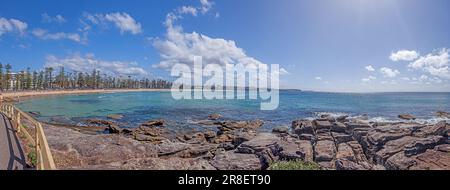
138 107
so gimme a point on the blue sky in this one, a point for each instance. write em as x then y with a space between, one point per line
324 45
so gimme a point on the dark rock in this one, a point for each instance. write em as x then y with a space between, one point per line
421 145
150 131
127 130
342 118
338 127
233 125
341 137
209 134
223 138
437 129
302 127
35 113
214 116
114 129
443 114
282 129
290 151
357 125
241 136
154 123
307 137
226 146
230 160
321 125
406 117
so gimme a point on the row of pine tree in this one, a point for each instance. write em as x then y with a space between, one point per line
49 79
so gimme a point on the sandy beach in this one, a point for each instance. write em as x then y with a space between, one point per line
65 92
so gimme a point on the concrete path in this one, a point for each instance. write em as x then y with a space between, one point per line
11 152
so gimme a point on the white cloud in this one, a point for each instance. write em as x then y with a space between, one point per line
188 10
12 25
206 6
406 79
423 78
389 73
369 78
370 68
436 63
58 18
404 55
45 35
88 62
123 21
318 78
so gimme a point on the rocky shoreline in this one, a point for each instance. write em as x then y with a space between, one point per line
340 143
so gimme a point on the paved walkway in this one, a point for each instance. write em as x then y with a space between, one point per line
11 153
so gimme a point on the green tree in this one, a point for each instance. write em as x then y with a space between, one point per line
8 76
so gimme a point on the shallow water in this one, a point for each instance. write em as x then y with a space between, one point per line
138 107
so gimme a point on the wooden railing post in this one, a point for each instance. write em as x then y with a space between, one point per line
18 122
44 158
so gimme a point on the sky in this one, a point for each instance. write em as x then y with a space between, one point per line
321 45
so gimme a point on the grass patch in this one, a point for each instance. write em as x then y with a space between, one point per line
32 157
294 165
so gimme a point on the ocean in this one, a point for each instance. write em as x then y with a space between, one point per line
138 107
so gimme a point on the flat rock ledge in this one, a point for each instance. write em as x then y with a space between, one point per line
333 143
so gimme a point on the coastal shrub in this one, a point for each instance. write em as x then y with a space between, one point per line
32 157
294 165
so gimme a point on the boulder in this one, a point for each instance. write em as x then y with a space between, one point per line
307 137
261 142
443 114
114 129
325 151
281 129
322 125
400 161
241 136
209 134
302 127
214 116
233 125
440 128
406 117
230 160
290 151
421 145
154 123
338 127
341 137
